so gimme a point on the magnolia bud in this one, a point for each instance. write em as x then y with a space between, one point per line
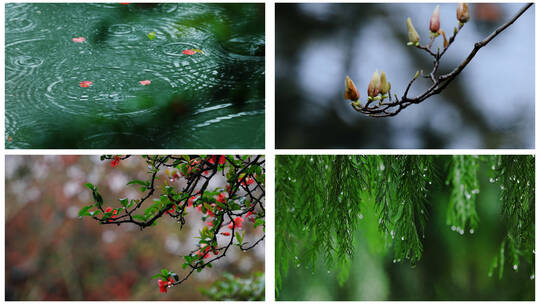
374 85
351 93
462 13
413 35
384 85
435 21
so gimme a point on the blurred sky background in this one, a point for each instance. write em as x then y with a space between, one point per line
489 105
51 254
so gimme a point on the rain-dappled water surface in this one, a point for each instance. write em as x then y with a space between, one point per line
204 63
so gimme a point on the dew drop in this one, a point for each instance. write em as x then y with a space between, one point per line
360 216
531 277
298 265
491 180
328 271
403 238
453 228
515 267
471 231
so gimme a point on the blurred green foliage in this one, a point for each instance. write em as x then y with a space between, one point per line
231 288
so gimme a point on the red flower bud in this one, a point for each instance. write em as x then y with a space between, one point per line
238 222
435 21
162 286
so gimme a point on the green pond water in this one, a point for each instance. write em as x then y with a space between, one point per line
205 64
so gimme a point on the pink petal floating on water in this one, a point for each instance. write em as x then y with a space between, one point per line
79 39
85 84
145 82
189 52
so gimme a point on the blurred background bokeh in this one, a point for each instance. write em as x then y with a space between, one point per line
489 105
51 254
453 267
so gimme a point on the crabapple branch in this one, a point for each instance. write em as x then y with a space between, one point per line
223 211
377 107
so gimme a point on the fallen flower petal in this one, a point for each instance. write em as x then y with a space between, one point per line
85 84
79 39
189 52
145 82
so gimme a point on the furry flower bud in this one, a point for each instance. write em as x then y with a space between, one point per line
462 13
413 35
351 93
435 21
374 85
384 85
